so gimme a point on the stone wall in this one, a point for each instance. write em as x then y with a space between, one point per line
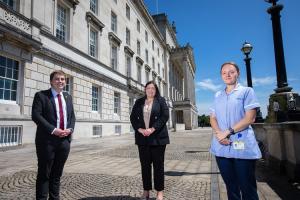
280 146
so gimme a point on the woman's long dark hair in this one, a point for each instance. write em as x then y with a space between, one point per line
157 93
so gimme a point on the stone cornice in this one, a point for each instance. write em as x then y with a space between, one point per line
113 37
91 18
154 73
52 37
128 51
147 67
139 59
92 73
74 3
21 39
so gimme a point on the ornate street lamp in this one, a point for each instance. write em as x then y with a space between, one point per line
274 10
284 101
246 49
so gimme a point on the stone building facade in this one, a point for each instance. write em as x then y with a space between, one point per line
108 48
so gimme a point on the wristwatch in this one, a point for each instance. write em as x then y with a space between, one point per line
231 131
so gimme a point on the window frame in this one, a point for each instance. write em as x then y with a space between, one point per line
66 36
117 109
96 7
17 81
114 22
127 11
91 29
127 36
114 64
138 25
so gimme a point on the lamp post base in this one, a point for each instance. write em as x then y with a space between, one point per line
284 106
283 89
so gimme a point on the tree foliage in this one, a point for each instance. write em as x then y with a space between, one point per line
203 120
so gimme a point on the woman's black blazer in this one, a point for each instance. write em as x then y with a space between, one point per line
158 119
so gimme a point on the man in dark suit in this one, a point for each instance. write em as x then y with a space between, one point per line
53 113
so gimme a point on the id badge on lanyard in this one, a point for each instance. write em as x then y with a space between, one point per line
238 145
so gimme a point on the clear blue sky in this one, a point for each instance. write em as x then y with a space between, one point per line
216 29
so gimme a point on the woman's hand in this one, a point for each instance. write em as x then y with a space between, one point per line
221 135
225 141
146 132
142 131
149 131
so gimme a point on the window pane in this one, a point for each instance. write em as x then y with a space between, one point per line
61 23
8 72
13 95
1 94
1 83
93 6
9 63
6 94
93 43
7 84
15 74
2 71
95 96
14 85
2 61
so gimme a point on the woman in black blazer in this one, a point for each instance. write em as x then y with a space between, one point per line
149 117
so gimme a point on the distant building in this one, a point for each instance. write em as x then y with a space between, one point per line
109 49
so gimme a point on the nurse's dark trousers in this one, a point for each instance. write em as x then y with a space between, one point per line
239 177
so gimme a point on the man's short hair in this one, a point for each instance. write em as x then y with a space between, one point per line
60 72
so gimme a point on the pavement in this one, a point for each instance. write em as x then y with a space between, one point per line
108 168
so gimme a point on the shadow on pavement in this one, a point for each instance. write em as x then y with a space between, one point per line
111 198
280 184
178 173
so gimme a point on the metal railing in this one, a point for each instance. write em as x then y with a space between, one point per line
10 136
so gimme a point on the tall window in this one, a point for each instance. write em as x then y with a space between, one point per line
94 6
147 73
163 72
10 3
95 98
153 63
147 55
114 57
61 23
69 83
9 72
130 104
117 102
158 68
138 25
113 22
157 51
139 72
128 65
146 36
152 45
138 47
127 11
93 42
127 36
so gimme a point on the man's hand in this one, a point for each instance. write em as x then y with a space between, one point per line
59 132
62 133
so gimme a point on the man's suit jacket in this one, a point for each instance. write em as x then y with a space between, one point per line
45 117
158 119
